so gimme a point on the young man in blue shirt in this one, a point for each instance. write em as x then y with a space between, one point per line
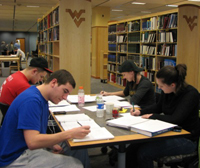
23 133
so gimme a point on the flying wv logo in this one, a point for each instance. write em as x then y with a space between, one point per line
76 15
190 21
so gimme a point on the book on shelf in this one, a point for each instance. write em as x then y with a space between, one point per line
140 125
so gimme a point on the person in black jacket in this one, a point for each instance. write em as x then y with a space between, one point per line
178 104
138 87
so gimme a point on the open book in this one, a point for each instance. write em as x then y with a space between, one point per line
71 121
140 125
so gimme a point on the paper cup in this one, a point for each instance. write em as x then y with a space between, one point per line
109 107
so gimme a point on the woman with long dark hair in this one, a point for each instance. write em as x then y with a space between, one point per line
178 104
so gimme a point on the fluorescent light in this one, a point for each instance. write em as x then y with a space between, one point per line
117 10
32 6
145 12
174 6
138 3
195 0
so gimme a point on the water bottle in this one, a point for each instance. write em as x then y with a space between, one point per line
100 107
81 96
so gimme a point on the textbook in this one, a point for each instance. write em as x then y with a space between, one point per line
152 127
126 121
140 125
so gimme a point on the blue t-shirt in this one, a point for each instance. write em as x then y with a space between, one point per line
29 111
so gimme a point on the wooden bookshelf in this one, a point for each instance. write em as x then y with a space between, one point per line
150 41
48 38
64 40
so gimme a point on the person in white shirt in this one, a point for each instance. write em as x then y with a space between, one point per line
19 52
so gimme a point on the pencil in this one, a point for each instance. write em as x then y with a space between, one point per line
79 123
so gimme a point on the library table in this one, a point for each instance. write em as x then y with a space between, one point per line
123 137
4 58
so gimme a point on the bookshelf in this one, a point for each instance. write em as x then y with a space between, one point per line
48 38
150 41
64 40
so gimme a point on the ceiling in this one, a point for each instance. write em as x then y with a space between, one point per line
16 16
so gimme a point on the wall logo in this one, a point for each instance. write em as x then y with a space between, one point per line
76 15
190 21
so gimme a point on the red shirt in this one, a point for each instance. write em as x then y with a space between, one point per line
12 87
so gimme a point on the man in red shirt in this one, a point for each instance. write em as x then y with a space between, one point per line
19 81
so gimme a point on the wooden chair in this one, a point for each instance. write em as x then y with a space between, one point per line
26 60
14 66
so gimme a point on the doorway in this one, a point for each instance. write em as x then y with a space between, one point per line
22 44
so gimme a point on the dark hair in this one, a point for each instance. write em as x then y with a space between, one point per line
63 77
170 74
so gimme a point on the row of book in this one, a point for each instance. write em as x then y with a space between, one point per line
122 48
112 58
46 48
148 37
112 38
135 58
134 37
121 38
153 23
122 27
49 35
167 36
50 20
167 21
150 24
134 48
149 74
167 50
146 49
121 59
165 62
148 63
111 67
134 26
120 81
112 47
112 77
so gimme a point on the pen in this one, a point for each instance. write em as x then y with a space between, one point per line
133 106
79 123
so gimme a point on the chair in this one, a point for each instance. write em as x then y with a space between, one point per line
187 161
13 66
26 60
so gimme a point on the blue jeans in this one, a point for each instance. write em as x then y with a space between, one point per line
146 153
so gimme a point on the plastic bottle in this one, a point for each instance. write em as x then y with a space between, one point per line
81 96
100 107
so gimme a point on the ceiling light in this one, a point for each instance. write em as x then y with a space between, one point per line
32 6
145 12
117 10
138 3
195 0
174 6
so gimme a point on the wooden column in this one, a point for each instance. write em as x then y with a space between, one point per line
75 34
188 51
100 18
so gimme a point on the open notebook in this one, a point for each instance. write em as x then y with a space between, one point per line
71 121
